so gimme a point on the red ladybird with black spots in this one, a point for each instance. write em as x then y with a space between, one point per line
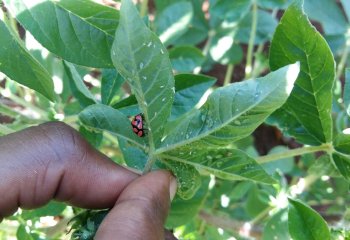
137 123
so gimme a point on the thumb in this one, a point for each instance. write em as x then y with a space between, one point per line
141 209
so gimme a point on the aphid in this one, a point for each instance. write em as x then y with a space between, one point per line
137 124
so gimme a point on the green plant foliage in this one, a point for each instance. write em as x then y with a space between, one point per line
324 166
189 89
230 113
341 155
182 211
186 58
19 65
173 21
274 3
82 35
189 180
206 79
225 164
328 13
306 223
277 227
284 165
102 117
198 28
87 224
51 209
265 28
78 88
110 83
147 70
228 11
347 91
307 113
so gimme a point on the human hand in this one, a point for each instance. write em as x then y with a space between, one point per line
52 161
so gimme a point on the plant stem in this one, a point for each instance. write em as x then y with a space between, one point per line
144 8
202 228
261 215
71 119
256 65
248 67
343 59
229 73
294 152
206 48
24 103
149 164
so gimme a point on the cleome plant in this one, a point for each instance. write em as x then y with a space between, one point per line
134 88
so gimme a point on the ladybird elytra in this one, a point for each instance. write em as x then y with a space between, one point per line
137 124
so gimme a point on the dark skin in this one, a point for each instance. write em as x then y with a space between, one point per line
52 161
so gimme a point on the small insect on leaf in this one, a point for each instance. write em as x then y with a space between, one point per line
137 124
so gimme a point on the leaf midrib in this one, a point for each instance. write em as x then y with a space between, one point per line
56 4
197 165
207 133
310 76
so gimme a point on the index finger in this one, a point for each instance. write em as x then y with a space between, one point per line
52 161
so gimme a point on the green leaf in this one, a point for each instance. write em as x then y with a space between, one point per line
285 165
341 154
265 27
225 53
79 31
110 83
277 227
342 143
198 28
304 223
346 6
307 113
142 60
102 117
225 164
134 157
93 137
328 13
272 4
51 209
22 233
347 91
256 201
128 106
324 166
342 162
162 4
228 11
186 58
230 113
183 211
79 89
189 90
188 178
17 63
173 21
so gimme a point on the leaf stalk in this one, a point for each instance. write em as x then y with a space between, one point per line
248 68
294 152
229 73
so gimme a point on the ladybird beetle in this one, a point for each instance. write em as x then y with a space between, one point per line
137 124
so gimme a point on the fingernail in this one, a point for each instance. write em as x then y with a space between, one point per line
172 188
